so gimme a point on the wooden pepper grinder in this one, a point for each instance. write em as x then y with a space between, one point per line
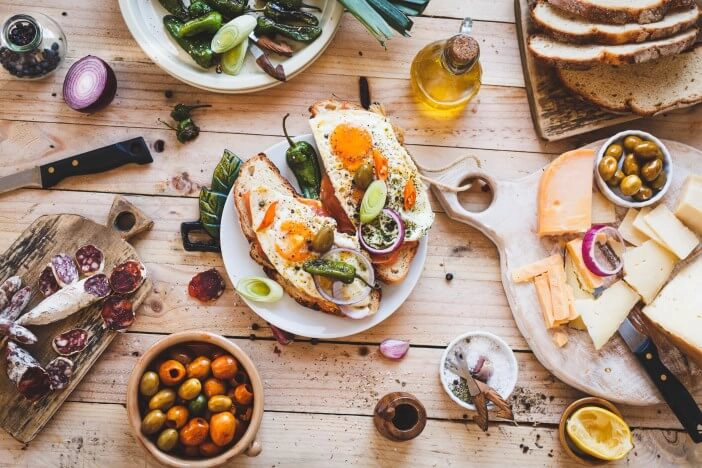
399 416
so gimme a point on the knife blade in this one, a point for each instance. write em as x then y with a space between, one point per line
263 61
134 150
674 393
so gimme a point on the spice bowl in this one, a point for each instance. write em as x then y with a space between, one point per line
248 441
495 354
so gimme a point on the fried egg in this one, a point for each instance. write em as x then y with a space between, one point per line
348 139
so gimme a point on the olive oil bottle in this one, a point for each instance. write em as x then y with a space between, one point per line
446 74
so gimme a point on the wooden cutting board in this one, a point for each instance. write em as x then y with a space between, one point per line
556 112
27 257
509 221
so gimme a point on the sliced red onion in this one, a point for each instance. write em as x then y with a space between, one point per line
395 245
333 295
356 313
394 349
603 258
281 336
90 85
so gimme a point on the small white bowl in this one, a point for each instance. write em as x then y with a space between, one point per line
505 373
629 202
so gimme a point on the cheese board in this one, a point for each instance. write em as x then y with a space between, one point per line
27 257
510 222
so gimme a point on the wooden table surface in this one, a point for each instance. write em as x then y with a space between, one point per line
319 395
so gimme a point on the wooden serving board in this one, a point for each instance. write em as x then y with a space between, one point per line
556 112
510 221
27 257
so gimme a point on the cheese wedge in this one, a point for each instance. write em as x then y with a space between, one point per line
529 272
642 226
603 316
672 232
587 278
603 211
647 268
689 206
565 194
629 232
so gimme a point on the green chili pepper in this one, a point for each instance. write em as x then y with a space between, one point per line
176 8
229 8
296 5
268 27
302 159
183 111
186 130
197 47
335 270
280 14
199 8
210 23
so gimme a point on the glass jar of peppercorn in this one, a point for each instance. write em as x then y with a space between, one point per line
31 46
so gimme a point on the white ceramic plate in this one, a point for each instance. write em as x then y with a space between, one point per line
286 313
144 18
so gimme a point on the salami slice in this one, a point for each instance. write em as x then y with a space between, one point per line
127 277
117 312
90 259
8 287
17 332
60 371
47 282
71 342
206 286
30 379
98 285
18 303
64 269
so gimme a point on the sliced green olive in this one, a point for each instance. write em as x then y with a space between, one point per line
630 142
630 185
323 240
615 150
644 194
651 170
647 150
363 176
659 182
630 166
616 179
607 167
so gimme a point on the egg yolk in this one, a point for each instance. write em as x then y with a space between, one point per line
351 145
294 245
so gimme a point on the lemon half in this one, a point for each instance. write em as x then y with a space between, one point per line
600 433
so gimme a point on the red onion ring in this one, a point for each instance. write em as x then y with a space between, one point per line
90 85
398 241
359 297
589 245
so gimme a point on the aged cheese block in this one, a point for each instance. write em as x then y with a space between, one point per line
689 207
672 232
642 226
629 232
647 268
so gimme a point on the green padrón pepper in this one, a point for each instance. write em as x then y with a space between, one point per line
199 8
268 27
209 24
302 159
332 269
184 111
176 8
281 14
296 5
197 47
229 8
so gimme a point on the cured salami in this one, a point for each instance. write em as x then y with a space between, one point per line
98 285
206 286
8 287
60 371
64 269
70 342
47 282
90 259
18 303
30 379
16 332
127 277
65 302
117 312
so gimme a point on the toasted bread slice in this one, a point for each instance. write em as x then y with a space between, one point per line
621 11
259 170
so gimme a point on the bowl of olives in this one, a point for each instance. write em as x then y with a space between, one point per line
633 169
195 399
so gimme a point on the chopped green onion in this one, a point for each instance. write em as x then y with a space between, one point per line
392 15
233 33
233 60
259 289
368 17
373 201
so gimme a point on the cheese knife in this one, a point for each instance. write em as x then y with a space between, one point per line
98 160
674 393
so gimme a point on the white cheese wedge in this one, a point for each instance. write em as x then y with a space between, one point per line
629 232
643 227
603 211
689 206
647 268
672 232
603 316
678 310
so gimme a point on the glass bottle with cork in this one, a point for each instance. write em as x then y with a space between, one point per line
446 74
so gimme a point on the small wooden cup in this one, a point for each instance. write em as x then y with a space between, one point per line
563 436
247 444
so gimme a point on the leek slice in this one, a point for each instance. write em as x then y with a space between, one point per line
259 289
233 60
233 33
373 201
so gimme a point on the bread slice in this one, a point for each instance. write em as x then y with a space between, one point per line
621 11
569 27
644 89
582 56
259 170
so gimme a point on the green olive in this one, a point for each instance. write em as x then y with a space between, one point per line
616 179
615 150
363 176
647 150
153 422
607 167
219 403
630 166
630 185
167 440
189 389
630 142
163 399
659 182
651 170
198 406
323 240
148 385
644 194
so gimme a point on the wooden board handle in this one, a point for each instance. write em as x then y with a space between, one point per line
127 219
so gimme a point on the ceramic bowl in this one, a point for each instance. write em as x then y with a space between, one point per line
504 376
629 202
248 444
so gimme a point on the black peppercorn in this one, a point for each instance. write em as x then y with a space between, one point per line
449 276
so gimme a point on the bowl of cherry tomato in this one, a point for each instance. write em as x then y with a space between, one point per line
195 399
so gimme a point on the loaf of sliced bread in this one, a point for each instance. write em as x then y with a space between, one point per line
570 27
621 11
581 56
644 89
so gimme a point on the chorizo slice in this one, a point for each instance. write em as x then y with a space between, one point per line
206 286
71 342
117 313
98 285
47 282
17 332
60 371
127 277
90 259
65 269
30 379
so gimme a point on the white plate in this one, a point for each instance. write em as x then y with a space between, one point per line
286 313
144 18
